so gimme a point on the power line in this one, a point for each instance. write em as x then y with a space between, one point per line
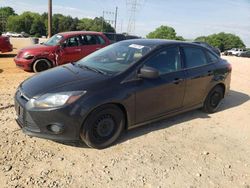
133 7
110 17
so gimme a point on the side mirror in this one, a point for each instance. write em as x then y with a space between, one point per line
148 72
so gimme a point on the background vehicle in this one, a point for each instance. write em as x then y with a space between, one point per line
128 37
5 45
115 37
244 54
60 49
216 50
124 85
234 51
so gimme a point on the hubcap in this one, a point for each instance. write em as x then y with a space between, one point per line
215 99
41 66
104 127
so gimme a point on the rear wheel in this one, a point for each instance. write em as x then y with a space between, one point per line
41 65
213 100
103 126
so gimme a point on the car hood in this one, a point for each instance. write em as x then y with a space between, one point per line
64 78
38 48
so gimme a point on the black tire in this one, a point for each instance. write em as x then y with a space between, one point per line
41 65
103 126
213 100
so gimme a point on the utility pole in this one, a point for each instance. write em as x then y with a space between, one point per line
110 17
116 11
103 19
49 18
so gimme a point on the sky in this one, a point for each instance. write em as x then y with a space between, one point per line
190 18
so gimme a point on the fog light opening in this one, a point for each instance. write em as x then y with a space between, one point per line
56 129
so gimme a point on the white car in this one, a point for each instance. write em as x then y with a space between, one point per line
235 51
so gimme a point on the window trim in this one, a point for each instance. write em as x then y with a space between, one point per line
158 51
184 59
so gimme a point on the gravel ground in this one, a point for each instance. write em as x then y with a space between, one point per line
189 150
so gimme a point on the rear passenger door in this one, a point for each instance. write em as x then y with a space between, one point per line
200 72
91 43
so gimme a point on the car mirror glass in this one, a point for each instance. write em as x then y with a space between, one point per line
148 72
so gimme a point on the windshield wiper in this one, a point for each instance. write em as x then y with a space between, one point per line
92 69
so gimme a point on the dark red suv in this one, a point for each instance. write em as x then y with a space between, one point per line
5 45
60 49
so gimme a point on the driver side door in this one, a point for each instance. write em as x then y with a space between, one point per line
70 51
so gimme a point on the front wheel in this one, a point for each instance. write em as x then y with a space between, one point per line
41 65
213 100
103 126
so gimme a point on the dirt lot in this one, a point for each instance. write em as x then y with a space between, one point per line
190 150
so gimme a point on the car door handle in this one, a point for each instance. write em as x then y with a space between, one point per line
98 48
178 80
78 50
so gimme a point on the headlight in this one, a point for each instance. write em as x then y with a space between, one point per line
28 56
53 100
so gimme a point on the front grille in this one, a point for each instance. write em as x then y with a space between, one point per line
19 113
23 117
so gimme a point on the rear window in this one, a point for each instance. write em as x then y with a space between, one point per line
194 57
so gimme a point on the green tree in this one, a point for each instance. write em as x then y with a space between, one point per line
223 41
97 24
5 13
164 32
28 22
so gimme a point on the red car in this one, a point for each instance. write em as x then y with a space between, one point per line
5 45
60 49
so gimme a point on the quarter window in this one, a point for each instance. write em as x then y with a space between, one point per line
194 57
211 57
101 40
166 61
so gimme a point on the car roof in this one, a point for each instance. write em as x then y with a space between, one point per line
72 33
157 42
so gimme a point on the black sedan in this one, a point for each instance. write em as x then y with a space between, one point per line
122 86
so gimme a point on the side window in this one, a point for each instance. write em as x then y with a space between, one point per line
194 57
90 40
211 57
72 42
166 61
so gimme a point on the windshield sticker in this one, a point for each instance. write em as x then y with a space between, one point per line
136 46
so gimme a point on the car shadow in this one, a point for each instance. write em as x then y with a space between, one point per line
233 99
7 55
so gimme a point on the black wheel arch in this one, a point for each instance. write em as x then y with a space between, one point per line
119 105
220 84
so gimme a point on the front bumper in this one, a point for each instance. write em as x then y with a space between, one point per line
37 122
25 64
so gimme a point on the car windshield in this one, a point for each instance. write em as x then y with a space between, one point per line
54 40
115 58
